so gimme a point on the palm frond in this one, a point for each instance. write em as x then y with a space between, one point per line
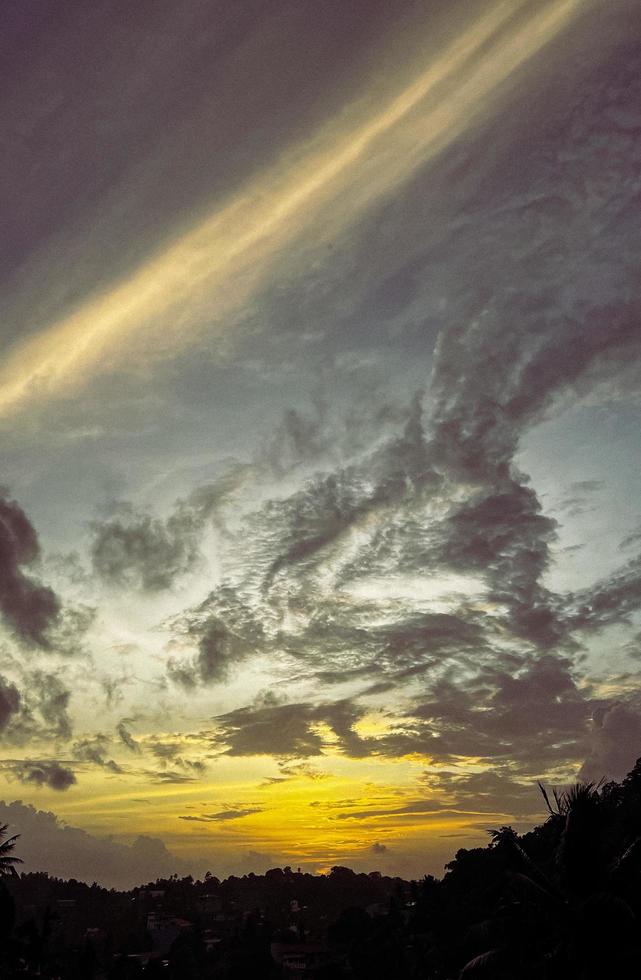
547 799
483 964
534 889
7 844
627 859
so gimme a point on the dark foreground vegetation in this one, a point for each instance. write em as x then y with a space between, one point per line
563 901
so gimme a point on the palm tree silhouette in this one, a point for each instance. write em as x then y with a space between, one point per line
8 860
573 914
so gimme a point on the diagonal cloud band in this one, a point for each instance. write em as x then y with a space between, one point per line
221 262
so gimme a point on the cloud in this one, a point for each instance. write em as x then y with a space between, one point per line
421 809
40 707
225 631
52 700
535 318
631 540
67 635
126 737
532 325
313 519
292 731
344 171
134 549
9 701
378 848
93 750
503 535
300 438
294 770
43 772
614 740
608 602
28 607
270 729
223 815
47 844
531 713
171 752
528 712
492 790
578 499
172 776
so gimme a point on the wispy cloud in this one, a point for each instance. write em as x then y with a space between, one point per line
221 816
221 262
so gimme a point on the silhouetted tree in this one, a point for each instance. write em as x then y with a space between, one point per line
575 911
8 860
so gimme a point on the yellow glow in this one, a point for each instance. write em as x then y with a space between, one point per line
301 820
219 265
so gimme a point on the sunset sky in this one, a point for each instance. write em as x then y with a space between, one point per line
320 374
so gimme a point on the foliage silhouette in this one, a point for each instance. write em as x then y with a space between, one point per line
573 911
561 902
8 860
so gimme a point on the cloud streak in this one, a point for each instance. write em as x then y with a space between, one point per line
223 260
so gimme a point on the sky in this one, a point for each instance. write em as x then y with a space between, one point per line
320 362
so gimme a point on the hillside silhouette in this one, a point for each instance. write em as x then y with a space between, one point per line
561 901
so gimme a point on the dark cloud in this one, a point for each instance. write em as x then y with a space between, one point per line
503 535
126 737
132 548
225 631
171 776
96 123
113 688
171 753
425 810
164 750
218 649
210 500
288 541
223 815
93 750
41 710
407 644
9 701
52 699
342 716
270 729
614 739
47 844
492 790
586 486
528 711
44 772
293 770
313 519
28 607
526 708
609 602
533 714
378 848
